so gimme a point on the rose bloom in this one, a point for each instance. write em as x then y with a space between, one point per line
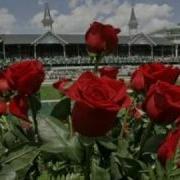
101 38
109 71
62 84
4 86
148 74
162 102
25 76
17 106
168 148
97 102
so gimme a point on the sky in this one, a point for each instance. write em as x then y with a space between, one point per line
75 16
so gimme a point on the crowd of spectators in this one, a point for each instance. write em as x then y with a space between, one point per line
71 67
87 61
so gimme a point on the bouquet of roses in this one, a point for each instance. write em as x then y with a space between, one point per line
102 128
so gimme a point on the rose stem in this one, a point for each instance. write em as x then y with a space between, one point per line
96 63
87 167
96 67
70 127
144 137
123 124
33 111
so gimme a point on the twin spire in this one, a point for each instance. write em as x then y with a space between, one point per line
133 23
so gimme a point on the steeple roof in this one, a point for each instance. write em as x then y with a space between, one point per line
47 20
133 24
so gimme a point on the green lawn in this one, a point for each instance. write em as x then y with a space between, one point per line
49 93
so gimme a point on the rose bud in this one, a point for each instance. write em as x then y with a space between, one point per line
149 74
97 102
162 103
136 113
101 38
169 146
62 84
26 76
109 71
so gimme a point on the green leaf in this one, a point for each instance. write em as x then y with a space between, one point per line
56 139
74 177
74 150
9 139
123 147
15 136
51 129
159 171
70 150
44 176
62 109
177 156
107 143
99 173
21 158
19 134
170 165
153 143
131 167
7 173
175 173
2 149
115 169
152 174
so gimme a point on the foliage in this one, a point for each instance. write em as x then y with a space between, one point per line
62 154
45 147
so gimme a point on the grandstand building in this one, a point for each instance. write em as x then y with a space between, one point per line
50 44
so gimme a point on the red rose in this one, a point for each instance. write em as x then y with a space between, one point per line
162 102
101 38
148 74
168 148
4 86
26 76
3 108
19 107
98 101
109 71
137 81
62 84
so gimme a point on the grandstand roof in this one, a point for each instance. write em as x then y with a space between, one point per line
49 38
69 38
161 40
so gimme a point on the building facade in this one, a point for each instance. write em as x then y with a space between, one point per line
50 44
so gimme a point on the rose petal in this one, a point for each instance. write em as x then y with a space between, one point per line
19 107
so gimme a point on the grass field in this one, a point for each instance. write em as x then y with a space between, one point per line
49 93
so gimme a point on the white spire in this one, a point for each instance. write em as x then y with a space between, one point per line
133 24
47 20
